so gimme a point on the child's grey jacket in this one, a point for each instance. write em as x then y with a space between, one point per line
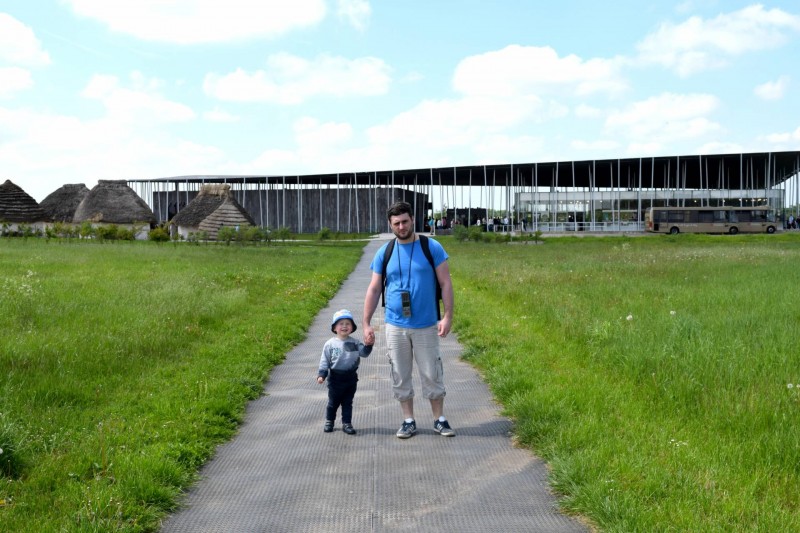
342 355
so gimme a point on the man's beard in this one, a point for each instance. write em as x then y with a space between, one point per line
403 236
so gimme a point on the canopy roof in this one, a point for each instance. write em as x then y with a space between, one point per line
717 171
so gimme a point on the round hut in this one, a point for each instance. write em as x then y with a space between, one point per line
18 208
212 208
61 204
113 202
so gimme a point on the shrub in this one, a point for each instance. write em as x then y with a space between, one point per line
124 234
226 234
283 233
158 234
475 233
86 231
251 234
324 234
107 232
460 233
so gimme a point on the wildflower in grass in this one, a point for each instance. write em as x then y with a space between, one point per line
629 318
672 313
789 386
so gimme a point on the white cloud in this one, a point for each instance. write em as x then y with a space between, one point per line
772 90
600 144
523 70
13 80
717 147
141 104
356 12
436 124
586 111
665 118
218 115
498 149
49 150
310 132
319 147
19 45
697 44
202 21
785 139
290 79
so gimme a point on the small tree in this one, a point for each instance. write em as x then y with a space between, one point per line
86 230
158 234
283 233
226 234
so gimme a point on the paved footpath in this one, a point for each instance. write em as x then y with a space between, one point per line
282 473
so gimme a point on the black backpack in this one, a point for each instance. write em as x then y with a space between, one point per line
426 249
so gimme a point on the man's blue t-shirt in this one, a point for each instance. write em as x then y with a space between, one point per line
410 258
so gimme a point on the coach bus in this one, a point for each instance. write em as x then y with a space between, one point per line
730 220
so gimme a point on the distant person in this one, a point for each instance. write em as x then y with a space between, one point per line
412 270
339 363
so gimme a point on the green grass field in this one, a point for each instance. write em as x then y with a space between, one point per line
124 364
657 375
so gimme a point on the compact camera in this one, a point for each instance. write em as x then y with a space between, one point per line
405 298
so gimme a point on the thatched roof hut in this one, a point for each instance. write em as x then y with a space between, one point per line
113 202
61 204
17 206
213 207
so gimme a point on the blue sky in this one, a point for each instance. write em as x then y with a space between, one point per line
102 89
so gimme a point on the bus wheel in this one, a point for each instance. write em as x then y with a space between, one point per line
734 230
673 230
770 229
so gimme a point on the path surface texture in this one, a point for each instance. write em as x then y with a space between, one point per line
282 473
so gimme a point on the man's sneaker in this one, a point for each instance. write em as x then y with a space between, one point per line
348 428
407 430
443 429
328 426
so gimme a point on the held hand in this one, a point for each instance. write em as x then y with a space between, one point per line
320 379
369 335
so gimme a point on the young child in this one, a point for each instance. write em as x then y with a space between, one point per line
339 363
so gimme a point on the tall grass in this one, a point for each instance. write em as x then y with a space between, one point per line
122 367
659 376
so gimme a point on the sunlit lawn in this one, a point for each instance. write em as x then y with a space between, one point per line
659 376
124 364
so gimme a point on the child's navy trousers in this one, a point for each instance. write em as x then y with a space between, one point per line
341 390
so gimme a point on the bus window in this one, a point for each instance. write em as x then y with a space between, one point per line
705 216
720 215
675 216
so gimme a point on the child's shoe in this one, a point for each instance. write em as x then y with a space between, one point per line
328 426
348 428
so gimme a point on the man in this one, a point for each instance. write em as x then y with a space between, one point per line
413 326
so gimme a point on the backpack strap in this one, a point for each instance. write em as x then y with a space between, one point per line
426 249
387 254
